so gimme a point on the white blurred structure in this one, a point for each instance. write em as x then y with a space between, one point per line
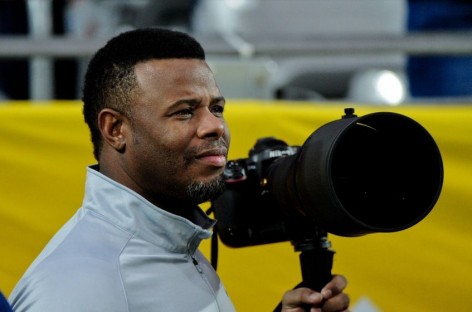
242 22
381 86
280 18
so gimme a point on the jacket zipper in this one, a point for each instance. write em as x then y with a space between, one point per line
196 264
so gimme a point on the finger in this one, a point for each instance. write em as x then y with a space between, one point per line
338 303
337 284
301 296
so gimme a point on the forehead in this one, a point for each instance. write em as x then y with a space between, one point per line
173 73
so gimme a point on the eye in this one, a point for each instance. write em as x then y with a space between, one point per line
184 113
217 109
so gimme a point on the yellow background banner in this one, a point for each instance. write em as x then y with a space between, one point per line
45 148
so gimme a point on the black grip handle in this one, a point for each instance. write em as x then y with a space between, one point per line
316 265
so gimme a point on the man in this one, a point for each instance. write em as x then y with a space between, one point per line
156 119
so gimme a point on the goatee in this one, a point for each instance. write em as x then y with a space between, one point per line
200 192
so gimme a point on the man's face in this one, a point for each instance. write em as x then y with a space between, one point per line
180 138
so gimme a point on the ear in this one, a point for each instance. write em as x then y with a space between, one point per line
112 126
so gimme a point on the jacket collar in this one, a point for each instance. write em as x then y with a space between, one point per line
133 213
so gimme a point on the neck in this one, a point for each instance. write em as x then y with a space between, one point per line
185 209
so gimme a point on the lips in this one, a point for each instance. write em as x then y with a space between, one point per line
214 157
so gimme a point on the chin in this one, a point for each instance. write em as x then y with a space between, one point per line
203 191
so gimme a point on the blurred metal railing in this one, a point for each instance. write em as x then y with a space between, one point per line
445 43
41 69
41 47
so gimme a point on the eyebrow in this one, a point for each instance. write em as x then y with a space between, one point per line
217 99
195 102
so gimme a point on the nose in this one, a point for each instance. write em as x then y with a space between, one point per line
211 126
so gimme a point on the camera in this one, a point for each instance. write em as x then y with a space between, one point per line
381 172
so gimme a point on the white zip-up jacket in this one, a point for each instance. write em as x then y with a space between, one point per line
120 253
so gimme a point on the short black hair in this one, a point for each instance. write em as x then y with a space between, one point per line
110 79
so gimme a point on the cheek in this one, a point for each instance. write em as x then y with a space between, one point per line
150 148
158 164
168 150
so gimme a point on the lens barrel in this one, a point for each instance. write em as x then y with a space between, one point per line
381 172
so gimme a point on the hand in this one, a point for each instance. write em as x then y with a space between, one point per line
331 298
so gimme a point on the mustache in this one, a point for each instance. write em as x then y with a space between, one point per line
221 145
